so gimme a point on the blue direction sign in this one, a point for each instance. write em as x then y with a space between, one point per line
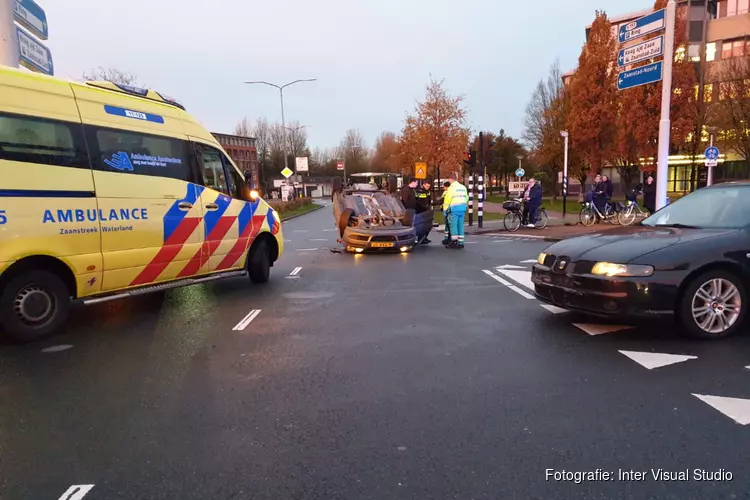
712 153
32 17
34 55
643 26
520 172
641 51
640 76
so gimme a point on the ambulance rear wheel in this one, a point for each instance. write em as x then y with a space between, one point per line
33 305
259 263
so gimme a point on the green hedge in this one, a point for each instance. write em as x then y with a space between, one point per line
288 206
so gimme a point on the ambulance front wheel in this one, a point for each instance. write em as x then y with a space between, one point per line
259 262
33 305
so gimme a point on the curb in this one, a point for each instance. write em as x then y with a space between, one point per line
300 215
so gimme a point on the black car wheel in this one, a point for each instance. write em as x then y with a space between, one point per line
259 263
34 305
713 305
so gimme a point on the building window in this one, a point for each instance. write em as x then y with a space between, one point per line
738 48
726 50
710 51
743 6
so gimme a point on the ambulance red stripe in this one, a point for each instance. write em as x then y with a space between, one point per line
243 243
167 252
209 247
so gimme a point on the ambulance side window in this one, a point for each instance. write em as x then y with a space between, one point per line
212 168
38 140
235 180
123 151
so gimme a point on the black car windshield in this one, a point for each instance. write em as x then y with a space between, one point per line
720 207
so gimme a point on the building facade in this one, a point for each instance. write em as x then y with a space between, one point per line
717 31
242 151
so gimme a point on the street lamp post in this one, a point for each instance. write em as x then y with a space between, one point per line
710 174
281 96
564 134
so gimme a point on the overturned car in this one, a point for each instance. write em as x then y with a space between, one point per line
370 219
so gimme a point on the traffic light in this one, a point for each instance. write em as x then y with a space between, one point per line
470 158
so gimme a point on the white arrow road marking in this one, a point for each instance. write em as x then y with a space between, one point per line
509 266
76 492
600 329
735 408
506 283
246 320
653 360
554 309
295 271
530 261
306 249
523 278
318 239
301 230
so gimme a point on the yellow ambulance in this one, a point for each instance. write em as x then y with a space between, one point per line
109 191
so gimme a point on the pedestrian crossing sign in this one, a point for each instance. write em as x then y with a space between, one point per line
286 172
420 170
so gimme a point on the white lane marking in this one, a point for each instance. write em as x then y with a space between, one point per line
528 261
318 239
600 329
737 409
554 309
246 320
653 360
509 285
57 348
301 230
501 241
76 492
305 249
295 271
509 266
523 278
328 230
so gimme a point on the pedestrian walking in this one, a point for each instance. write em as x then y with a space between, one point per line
454 208
649 195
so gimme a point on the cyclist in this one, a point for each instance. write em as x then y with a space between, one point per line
532 198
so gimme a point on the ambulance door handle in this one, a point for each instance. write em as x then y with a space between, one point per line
184 205
212 206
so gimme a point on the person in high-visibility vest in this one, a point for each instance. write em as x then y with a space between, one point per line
454 208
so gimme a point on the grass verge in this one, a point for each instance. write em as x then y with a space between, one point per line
310 207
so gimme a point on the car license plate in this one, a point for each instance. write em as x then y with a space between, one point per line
382 245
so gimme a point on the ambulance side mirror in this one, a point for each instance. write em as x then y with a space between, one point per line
249 179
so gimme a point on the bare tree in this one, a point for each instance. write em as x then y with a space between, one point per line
538 117
387 154
731 106
111 75
353 150
261 132
296 138
242 128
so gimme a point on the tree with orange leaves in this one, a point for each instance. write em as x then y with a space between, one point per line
593 99
437 132
640 107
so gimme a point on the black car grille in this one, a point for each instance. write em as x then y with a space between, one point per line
580 267
383 238
549 260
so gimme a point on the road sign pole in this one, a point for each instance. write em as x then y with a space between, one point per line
9 55
565 174
710 173
662 167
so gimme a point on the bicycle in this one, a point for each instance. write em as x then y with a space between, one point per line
514 218
632 211
590 213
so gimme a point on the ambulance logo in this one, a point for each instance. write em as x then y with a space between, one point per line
120 161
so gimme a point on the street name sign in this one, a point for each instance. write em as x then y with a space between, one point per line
339 165
520 172
286 172
517 187
643 26
420 170
640 76
32 54
640 52
28 14
301 164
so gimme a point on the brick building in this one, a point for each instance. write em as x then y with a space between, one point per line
242 151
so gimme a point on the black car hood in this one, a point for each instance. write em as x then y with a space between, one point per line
625 244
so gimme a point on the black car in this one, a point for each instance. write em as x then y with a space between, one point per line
690 260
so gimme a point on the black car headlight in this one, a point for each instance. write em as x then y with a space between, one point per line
611 269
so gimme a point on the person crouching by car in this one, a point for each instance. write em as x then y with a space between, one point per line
532 198
454 208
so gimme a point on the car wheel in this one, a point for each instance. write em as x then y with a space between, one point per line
259 263
713 305
344 220
34 305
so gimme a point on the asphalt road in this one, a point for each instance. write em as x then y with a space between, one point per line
424 376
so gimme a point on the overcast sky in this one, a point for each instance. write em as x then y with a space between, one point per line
372 58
